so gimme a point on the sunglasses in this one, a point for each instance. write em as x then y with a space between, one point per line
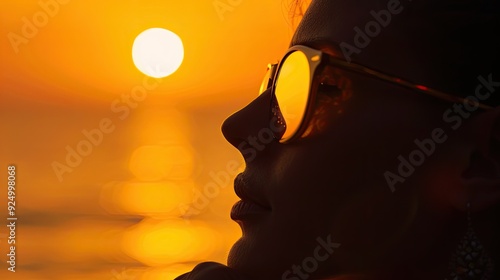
295 79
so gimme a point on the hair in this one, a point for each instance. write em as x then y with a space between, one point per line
477 51
296 10
473 43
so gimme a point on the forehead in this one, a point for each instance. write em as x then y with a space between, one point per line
346 26
332 20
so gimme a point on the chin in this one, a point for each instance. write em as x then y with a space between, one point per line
244 254
246 257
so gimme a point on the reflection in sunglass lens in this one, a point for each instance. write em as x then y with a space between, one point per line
292 91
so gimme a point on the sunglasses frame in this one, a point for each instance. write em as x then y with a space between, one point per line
318 60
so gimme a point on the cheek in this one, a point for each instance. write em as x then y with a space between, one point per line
308 189
327 112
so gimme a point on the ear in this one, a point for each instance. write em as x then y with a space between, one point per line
481 179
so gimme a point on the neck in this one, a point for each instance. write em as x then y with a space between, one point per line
431 266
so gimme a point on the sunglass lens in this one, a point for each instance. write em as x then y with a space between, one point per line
292 91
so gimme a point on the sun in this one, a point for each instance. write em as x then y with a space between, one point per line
158 52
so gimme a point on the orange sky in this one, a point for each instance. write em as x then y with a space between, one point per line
63 66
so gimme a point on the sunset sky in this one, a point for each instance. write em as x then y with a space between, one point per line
104 180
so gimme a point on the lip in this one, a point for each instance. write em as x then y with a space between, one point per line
249 205
244 210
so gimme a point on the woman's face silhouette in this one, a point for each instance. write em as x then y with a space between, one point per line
327 190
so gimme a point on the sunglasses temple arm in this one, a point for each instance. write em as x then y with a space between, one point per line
423 89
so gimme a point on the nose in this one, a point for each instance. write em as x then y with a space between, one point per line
252 128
